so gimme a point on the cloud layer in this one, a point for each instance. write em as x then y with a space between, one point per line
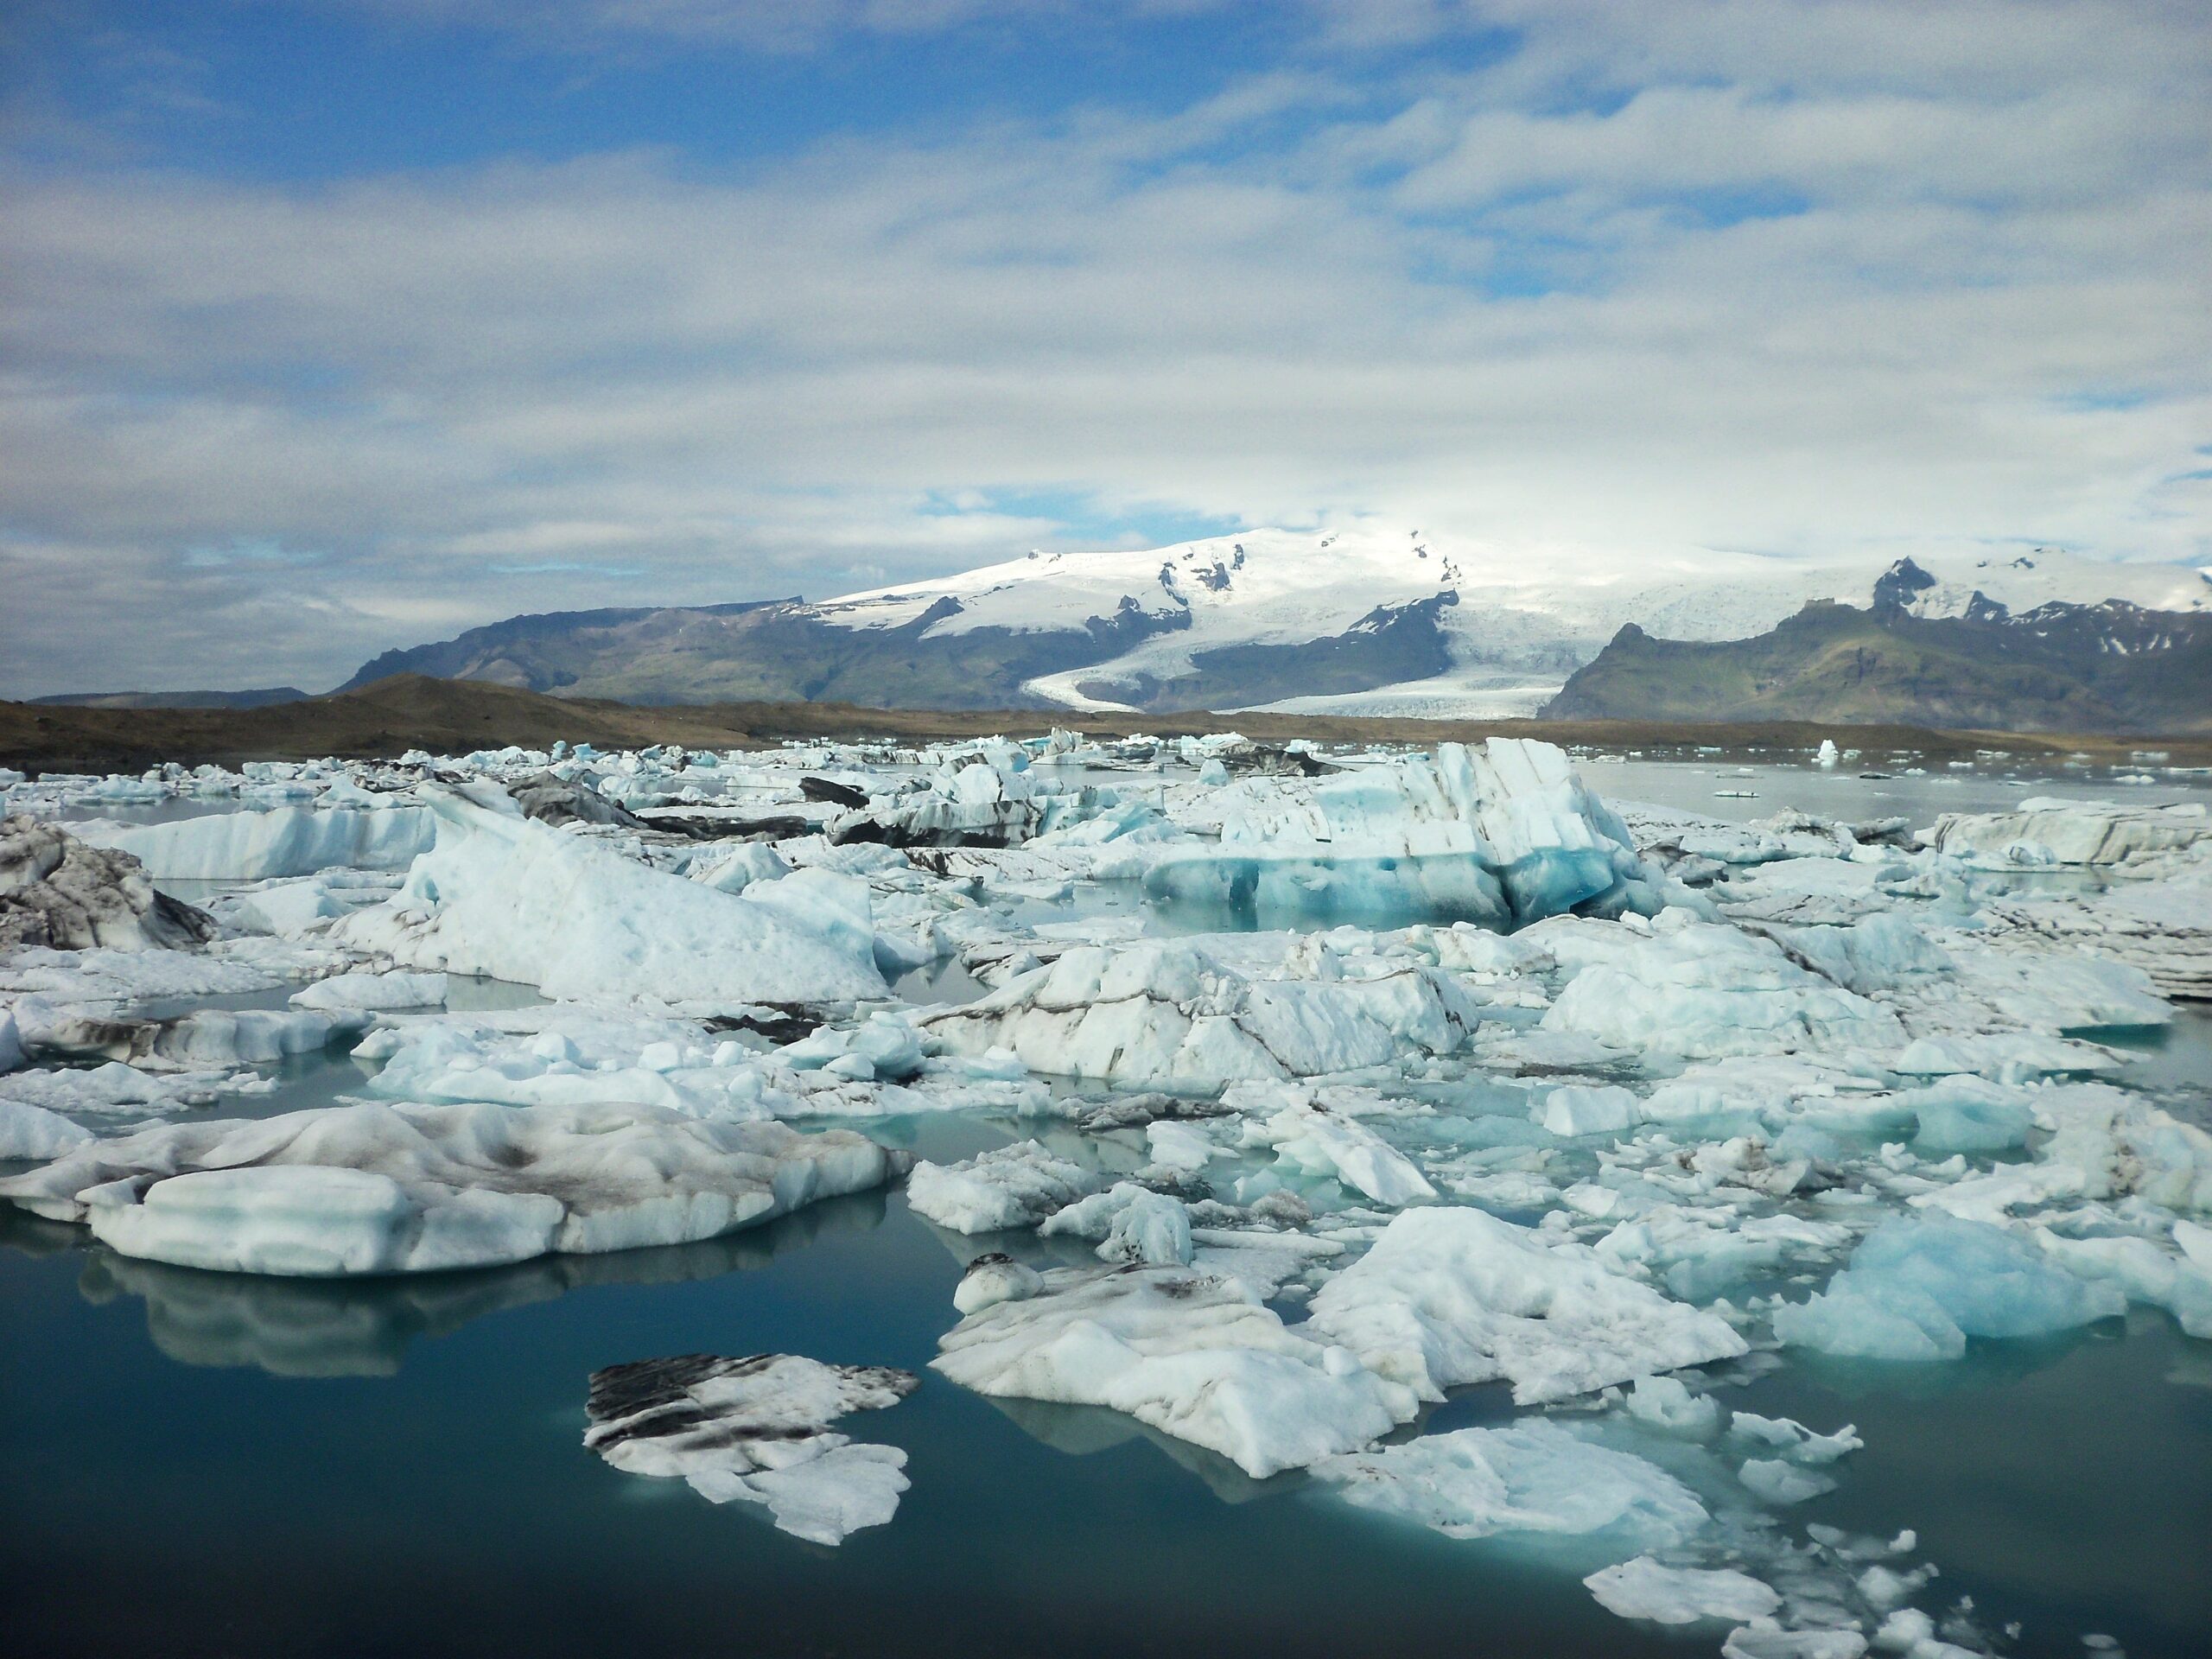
1807 277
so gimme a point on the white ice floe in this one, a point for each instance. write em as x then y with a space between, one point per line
33 1132
1130 1225
1448 1297
1007 1186
1189 1354
1309 1137
504 896
1536 1478
373 993
1643 1588
410 1189
756 1430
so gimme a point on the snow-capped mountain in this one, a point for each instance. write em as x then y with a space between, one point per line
1511 629
1365 619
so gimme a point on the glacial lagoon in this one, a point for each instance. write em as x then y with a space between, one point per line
203 1462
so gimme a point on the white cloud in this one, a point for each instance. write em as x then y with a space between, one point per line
1315 292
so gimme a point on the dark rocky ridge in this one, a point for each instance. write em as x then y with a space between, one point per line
2113 667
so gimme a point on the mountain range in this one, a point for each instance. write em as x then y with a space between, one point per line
1380 621
1392 621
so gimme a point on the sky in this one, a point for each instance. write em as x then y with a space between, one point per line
328 326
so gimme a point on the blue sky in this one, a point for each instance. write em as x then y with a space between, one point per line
330 325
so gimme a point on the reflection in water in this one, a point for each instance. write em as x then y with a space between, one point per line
363 1327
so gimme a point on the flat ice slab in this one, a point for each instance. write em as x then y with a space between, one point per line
756 1430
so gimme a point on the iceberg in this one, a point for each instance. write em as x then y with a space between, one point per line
1166 1013
1697 990
1526 1478
1008 1186
374 1189
61 892
1192 1354
283 841
504 896
1915 1290
1448 1297
1498 835
756 1430
1644 1589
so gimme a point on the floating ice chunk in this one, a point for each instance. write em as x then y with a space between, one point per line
1168 1013
1793 1439
373 992
1007 1186
748 862
504 896
252 846
1452 1296
1782 1483
1574 1109
1695 990
1680 1595
1764 1642
1308 1136
2046 832
1132 1224
1178 1148
993 1279
412 1189
219 1039
27 1131
2181 1284
756 1430
1526 1478
1191 1355
2006 1056
57 891
1917 1289
1964 1112
1665 1402
12 1042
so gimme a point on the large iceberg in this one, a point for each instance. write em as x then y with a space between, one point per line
283 841
502 895
371 1189
1694 990
1500 835
1168 1013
